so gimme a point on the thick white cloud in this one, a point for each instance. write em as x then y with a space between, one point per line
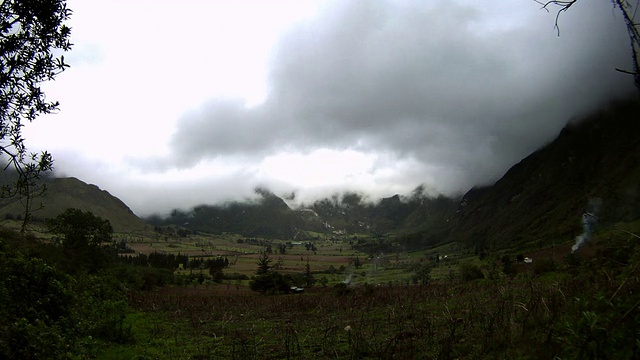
376 96
437 84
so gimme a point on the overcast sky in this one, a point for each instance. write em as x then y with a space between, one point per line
172 104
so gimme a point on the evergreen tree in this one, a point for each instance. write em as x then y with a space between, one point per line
264 264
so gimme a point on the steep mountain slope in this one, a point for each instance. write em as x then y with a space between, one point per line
64 193
593 166
348 214
269 216
395 214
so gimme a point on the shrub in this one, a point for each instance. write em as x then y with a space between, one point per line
543 266
47 313
235 276
509 269
469 272
341 288
271 282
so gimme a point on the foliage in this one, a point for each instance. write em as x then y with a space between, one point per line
593 315
270 283
162 260
341 288
507 266
264 264
80 229
422 274
140 277
469 272
585 313
31 35
309 279
49 314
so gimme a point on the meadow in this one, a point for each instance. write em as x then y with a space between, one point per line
566 306
332 258
563 305
535 317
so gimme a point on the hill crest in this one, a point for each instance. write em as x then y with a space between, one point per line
70 192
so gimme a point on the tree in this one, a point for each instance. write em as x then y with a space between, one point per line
271 282
264 264
422 274
507 266
31 32
628 11
356 262
79 229
469 272
216 267
308 275
282 249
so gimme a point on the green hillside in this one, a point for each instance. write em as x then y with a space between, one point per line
393 282
268 216
64 193
593 165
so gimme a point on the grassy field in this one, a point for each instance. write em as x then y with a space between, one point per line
524 317
564 306
333 259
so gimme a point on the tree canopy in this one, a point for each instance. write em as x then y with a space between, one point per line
32 37
79 229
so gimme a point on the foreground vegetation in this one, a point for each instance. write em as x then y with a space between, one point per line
60 301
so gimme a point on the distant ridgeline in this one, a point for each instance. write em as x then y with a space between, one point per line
593 165
267 217
348 214
64 193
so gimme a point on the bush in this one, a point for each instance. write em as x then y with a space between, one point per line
236 276
270 282
47 313
141 278
35 303
543 266
469 272
341 288
509 270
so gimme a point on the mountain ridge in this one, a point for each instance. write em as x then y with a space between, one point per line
592 165
70 192
544 195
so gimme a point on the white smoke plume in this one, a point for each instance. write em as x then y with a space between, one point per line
589 221
348 279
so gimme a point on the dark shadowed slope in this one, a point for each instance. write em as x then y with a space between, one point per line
593 165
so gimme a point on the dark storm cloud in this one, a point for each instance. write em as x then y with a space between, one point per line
443 84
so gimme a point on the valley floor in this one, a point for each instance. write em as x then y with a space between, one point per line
581 313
